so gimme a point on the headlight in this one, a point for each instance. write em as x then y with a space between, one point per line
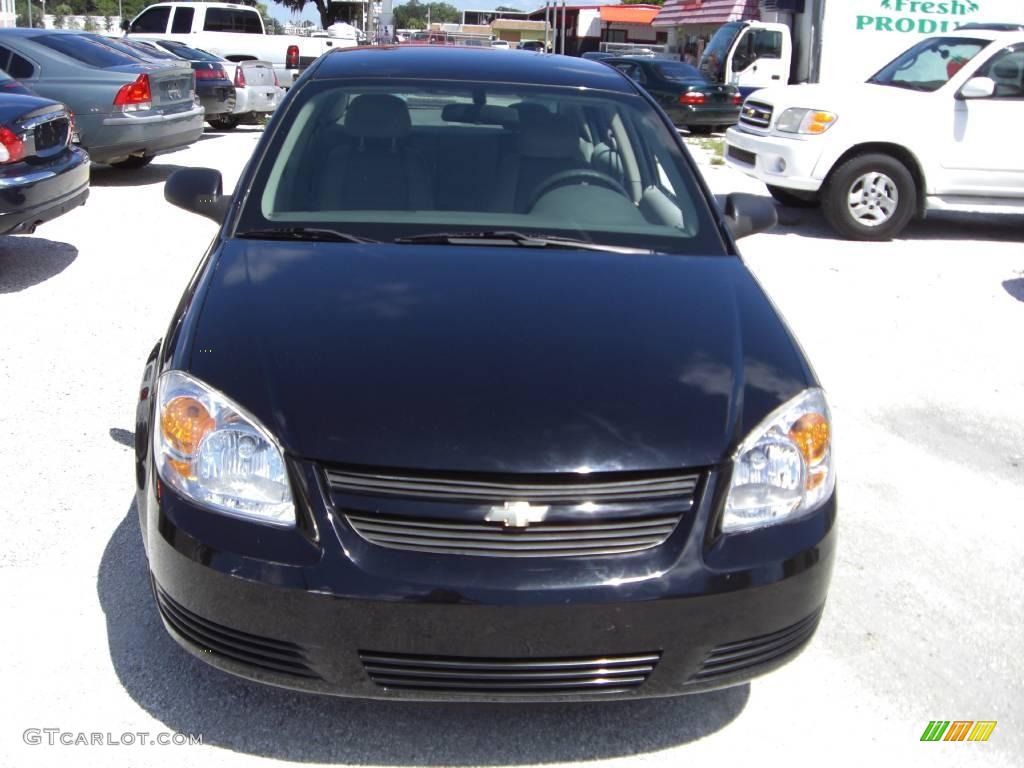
215 453
784 467
809 121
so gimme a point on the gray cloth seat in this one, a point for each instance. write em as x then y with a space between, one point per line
548 145
375 167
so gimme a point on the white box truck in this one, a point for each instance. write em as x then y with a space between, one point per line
836 41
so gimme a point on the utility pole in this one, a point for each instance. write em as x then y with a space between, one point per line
547 25
30 14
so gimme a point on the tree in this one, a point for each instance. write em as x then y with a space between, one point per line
506 9
60 15
37 16
413 14
89 25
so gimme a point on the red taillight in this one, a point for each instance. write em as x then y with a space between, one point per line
291 58
12 149
136 95
214 73
692 98
737 99
239 78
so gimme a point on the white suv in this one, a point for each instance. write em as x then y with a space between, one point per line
939 128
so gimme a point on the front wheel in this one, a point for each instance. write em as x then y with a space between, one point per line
133 162
794 198
869 197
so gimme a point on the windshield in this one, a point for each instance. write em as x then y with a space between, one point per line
388 159
930 64
679 72
192 54
712 63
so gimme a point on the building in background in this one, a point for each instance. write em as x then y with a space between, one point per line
587 26
483 18
689 24
8 14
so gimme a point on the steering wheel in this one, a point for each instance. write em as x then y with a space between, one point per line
577 176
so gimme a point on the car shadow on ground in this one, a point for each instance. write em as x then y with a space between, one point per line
808 222
108 176
190 697
28 261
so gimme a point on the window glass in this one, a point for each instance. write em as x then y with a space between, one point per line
182 24
152 21
768 44
20 67
930 64
86 50
1007 69
230 20
678 72
5 56
190 53
409 158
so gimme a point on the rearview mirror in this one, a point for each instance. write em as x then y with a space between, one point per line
978 88
199 190
749 214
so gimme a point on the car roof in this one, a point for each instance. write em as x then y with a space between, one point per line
469 64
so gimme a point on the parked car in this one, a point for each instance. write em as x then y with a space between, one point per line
126 110
482 404
936 129
501 45
257 92
215 89
235 32
598 55
42 175
532 45
689 98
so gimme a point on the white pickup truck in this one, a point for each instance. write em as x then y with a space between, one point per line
235 32
936 129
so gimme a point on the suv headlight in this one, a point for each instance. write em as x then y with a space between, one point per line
214 452
807 121
784 468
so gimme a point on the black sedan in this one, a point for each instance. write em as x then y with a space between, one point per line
689 98
214 88
472 397
41 174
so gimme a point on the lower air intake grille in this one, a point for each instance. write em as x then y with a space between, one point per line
254 650
605 674
730 658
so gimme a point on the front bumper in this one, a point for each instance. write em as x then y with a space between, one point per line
777 161
316 608
32 195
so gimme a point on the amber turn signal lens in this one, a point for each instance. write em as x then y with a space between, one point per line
184 422
811 434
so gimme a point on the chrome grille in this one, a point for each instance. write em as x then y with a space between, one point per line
601 537
730 658
600 675
756 114
557 490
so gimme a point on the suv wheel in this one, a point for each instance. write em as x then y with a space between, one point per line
869 197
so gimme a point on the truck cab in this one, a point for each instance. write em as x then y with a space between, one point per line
749 55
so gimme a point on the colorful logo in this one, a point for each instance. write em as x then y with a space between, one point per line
958 730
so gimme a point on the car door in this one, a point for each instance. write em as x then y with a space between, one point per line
984 156
761 58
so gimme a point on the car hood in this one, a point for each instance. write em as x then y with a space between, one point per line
490 358
836 99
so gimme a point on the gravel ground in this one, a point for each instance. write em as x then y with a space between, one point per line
917 342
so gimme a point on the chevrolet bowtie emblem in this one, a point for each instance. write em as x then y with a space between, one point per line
516 514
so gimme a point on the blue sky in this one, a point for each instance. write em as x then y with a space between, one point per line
283 15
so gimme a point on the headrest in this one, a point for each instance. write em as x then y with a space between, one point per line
377 116
547 136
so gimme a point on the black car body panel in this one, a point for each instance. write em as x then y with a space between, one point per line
53 177
394 375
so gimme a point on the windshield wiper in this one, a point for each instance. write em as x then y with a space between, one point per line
514 239
304 233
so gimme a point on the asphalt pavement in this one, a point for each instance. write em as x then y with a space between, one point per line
918 343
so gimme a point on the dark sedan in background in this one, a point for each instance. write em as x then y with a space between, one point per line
472 397
41 174
126 110
689 98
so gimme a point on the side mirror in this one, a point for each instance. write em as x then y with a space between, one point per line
199 190
749 214
978 88
125 24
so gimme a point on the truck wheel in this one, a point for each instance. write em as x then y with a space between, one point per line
223 122
794 198
869 197
134 162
